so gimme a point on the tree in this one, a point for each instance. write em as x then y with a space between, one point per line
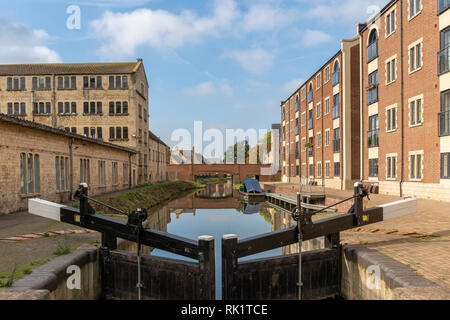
237 153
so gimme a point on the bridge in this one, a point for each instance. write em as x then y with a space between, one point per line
238 171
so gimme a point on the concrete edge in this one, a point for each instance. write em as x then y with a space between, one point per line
394 273
48 276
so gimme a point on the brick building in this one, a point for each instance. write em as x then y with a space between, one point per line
405 104
321 124
41 161
105 101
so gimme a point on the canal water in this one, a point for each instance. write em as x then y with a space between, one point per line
217 211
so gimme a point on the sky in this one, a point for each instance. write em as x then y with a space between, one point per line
227 63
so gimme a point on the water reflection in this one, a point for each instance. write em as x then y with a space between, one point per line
217 211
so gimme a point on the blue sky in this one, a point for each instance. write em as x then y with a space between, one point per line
228 63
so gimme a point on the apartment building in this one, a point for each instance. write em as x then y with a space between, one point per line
321 124
105 101
405 105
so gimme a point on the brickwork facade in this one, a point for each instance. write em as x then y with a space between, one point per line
318 121
40 161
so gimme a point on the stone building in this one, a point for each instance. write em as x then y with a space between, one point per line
48 163
320 124
104 101
157 159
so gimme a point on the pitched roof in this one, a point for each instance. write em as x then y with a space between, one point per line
38 126
68 68
153 137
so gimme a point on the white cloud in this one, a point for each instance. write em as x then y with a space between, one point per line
210 88
21 44
315 37
255 61
122 33
264 17
292 85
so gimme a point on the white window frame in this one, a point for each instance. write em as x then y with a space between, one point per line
326 72
303 119
327 137
417 12
319 110
411 101
303 94
389 158
318 81
319 172
327 169
389 25
416 61
389 110
415 154
327 108
388 64
319 140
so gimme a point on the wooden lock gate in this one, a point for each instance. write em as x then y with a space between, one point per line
306 275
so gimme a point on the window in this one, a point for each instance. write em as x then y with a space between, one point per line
310 119
62 173
99 133
73 82
444 115
85 82
42 108
311 170
303 119
85 171
327 138
318 81
99 82
336 101
336 69
310 93
125 173
337 169
318 110
415 6
391 119
415 57
443 5
391 167
443 55
16 84
41 83
296 103
327 105
372 90
415 165
373 133
92 108
304 144
101 173
319 169
390 23
319 140
327 169
415 112
16 108
337 141
445 166
391 71
115 173
326 73
373 168
29 174
372 48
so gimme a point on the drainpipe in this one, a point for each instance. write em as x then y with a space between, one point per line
361 108
129 171
402 101
341 119
54 116
71 169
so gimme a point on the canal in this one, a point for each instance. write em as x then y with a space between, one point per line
217 211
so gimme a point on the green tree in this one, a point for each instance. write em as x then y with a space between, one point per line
235 153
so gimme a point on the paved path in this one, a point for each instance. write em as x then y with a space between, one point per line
429 256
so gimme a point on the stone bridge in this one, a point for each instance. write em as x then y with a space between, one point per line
238 171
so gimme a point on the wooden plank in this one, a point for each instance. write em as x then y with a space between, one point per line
399 208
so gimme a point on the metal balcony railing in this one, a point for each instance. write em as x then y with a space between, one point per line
372 51
444 60
372 138
444 123
336 146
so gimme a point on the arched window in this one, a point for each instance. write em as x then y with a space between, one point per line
336 73
310 93
372 48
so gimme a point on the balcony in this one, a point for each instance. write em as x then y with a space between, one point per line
444 60
372 138
372 94
372 51
310 124
444 123
443 5
335 112
336 146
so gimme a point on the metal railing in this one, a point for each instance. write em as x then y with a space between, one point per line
444 123
372 138
372 51
444 60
